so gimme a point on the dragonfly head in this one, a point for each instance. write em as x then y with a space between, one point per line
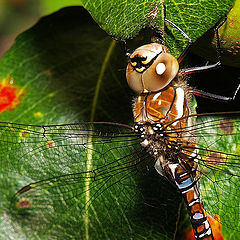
151 68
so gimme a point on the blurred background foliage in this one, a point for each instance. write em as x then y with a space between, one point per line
18 15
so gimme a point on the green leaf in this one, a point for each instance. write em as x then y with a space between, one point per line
229 40
48 7
57 66
65 70
220 187
194 18
124 20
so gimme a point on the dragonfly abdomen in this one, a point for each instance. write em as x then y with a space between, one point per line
187 186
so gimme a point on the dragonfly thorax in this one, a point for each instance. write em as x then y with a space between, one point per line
167 105
148 129
152 135
155 141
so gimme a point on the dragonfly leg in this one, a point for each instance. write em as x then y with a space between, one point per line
212 96
125 49
190 42
211 66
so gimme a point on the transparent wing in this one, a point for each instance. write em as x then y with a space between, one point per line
94 169
218 139
69 154
67 167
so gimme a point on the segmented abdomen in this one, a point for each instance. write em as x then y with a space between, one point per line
187 185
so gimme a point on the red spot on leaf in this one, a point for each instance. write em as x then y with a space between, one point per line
10 95
215 225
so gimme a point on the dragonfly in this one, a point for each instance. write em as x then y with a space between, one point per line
69 167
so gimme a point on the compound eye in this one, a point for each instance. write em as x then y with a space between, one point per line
141 59
163 70
134 79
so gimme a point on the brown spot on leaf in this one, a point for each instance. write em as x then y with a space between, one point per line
24 133
215 159
23 204
154 12
50 144
226 125
48 73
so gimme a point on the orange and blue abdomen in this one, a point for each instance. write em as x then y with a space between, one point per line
188 187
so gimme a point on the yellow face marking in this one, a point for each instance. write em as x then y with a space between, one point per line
134 64
145 62
140 69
